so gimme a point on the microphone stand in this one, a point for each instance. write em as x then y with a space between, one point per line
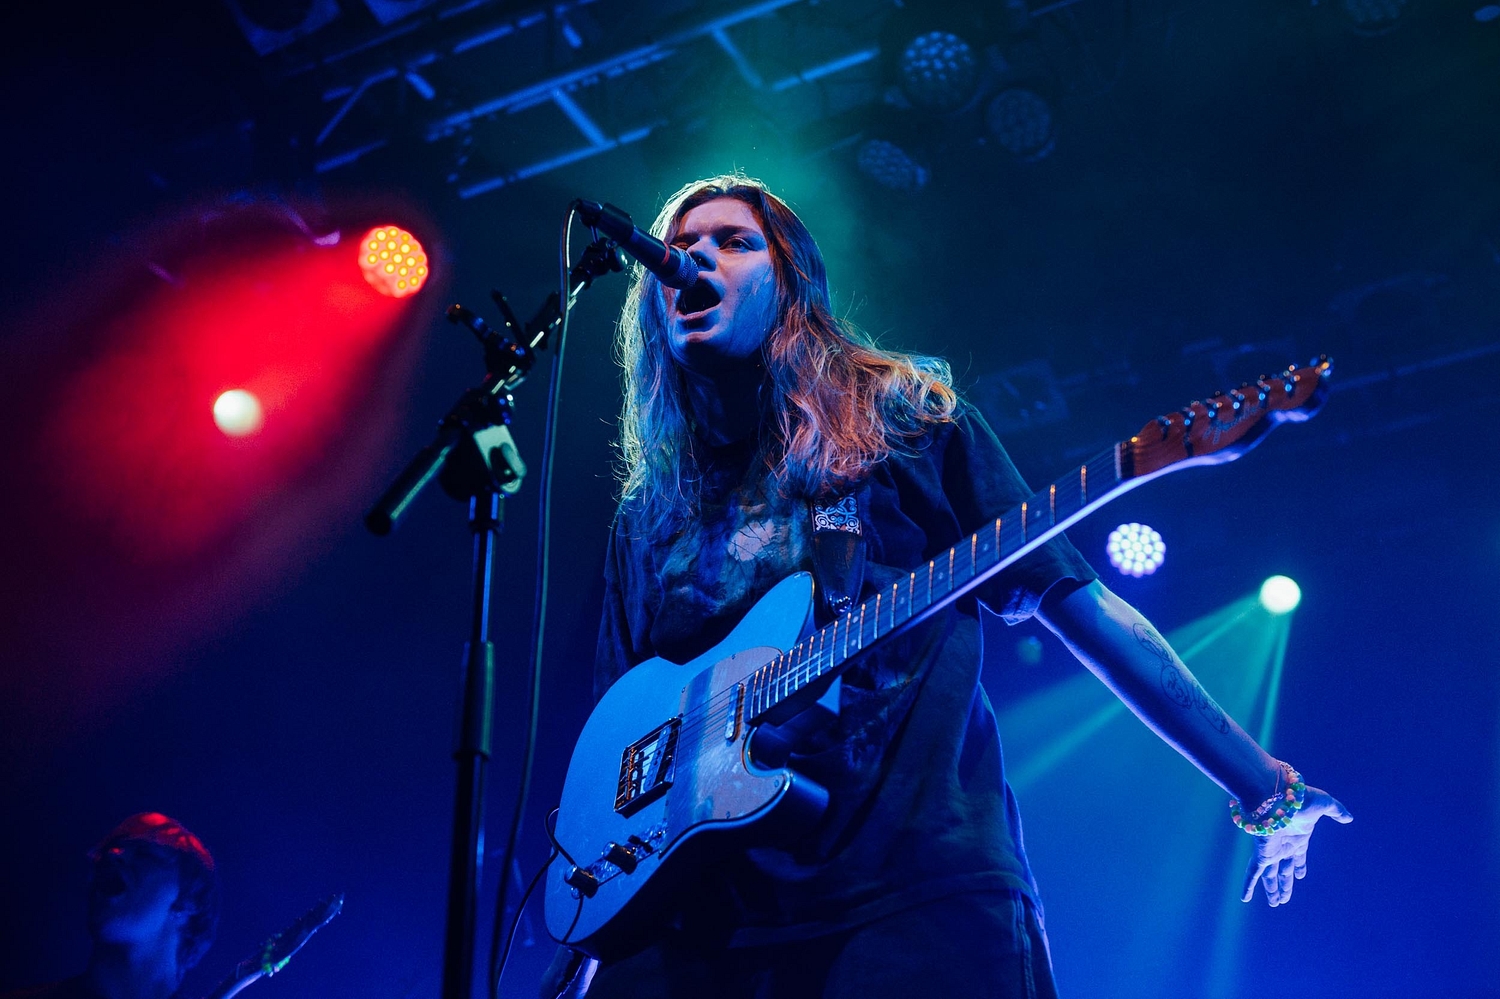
474 458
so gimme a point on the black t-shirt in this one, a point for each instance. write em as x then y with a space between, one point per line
919 807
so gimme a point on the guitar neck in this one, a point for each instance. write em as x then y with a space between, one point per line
929 588
1202 433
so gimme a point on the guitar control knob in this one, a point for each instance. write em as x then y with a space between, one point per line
622 857
585 882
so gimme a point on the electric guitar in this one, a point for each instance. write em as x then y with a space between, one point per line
682 761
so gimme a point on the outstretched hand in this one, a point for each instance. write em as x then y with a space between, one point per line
1282 857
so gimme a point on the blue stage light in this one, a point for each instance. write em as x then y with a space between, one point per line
939 71
1021 123
890 166
1280 594
1136 550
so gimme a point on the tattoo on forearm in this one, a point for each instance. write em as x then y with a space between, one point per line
1177 683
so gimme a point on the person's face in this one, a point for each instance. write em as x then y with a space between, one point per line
133 895
718 324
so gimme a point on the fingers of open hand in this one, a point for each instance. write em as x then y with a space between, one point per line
1258 867
1321 803
1284 880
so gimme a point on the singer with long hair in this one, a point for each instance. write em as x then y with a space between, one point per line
754 418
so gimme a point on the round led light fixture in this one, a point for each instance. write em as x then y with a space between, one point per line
1136 550
393 261
939 71
1021 122
1280 594
889 166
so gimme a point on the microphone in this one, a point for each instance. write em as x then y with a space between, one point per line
673 267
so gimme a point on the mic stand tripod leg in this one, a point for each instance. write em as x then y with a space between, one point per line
473 752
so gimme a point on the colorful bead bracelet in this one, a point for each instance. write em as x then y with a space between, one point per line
1275 813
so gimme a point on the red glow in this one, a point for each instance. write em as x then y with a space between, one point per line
393 261
139 451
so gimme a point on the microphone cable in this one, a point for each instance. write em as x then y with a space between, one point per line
538 617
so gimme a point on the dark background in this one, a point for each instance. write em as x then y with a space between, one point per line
1228 187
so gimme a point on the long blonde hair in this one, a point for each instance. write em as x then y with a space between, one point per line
841 403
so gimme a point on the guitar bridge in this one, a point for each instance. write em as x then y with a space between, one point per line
647 767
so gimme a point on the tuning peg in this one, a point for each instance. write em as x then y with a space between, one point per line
1237 398
1165 422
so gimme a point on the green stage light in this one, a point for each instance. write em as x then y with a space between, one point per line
1280 594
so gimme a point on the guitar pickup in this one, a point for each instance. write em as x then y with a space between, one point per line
647 767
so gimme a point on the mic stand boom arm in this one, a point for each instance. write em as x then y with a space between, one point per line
508 359
475 459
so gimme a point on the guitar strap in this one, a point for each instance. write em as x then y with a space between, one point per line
838 546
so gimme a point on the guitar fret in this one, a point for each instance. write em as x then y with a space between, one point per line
815 656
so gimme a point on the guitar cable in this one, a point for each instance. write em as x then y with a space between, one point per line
550 824
538 618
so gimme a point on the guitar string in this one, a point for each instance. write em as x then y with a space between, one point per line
1071 495
696 717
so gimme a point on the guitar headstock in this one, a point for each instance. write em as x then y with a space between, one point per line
278 950
1227 424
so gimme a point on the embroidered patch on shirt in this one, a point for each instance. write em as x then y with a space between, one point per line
840 515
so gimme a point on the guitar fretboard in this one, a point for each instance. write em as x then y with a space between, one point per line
928 588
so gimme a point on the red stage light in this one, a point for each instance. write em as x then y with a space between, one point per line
393 261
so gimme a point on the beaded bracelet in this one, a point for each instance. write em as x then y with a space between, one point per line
1275 813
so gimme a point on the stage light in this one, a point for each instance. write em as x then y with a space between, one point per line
939 71
889 166
238 413
393 261
1021 122
1136 550
1280 594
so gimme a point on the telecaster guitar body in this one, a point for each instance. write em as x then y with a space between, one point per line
692 788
